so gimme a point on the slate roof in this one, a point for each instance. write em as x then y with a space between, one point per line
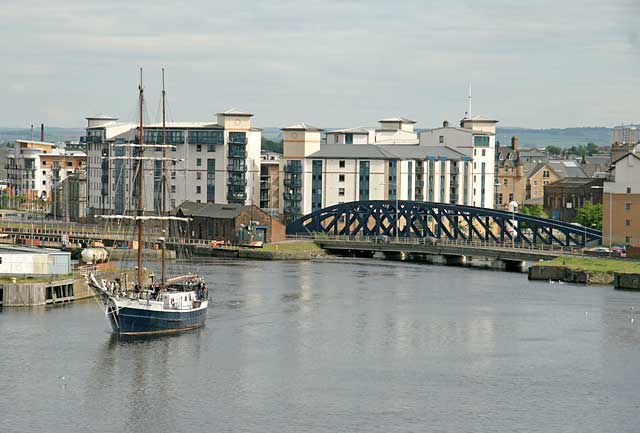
383 151
210 210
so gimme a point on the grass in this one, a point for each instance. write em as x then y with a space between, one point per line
593 264
292 247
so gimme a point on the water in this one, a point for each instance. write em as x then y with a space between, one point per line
337 347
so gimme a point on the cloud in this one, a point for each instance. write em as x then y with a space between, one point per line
334 62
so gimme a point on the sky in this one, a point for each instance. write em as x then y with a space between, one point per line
330 63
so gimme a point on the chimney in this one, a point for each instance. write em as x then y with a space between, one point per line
445 124
42 132
514 143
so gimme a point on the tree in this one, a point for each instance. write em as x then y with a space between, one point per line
271 146
535 210
590 215
553 150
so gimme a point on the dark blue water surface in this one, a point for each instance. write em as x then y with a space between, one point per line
337 346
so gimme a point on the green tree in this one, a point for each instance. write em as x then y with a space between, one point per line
590 215
592 148
553 150
535 210
271 146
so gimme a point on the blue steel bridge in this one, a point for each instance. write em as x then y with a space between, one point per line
405 219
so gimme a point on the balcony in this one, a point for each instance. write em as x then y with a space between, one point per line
237 153
237 181
236 195
296 196
293 168
294 182
237 140
237 168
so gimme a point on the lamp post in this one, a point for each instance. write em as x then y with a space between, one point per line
513 205
610 211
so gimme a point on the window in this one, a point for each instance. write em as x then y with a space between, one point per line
481 141
627 206
627 222
199 162
484 152
535 193
506 182
441 139
341 163
627 240
69 164
546 182
199 148
198 175
341 178
628 190
341 192
500 198
44 182
535 183
44 162
348 138
545 173
173 188
173 175
198 189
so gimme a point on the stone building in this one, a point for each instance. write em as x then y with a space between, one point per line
564 197
230 222
511 183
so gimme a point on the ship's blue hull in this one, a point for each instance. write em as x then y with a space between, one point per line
134 321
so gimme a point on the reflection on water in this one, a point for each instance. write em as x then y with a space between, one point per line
337 346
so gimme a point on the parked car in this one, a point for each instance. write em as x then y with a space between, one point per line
597 251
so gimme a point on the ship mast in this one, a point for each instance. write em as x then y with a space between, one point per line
164 181
140 210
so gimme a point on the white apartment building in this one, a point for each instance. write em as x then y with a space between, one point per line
33 167
215 162
368 164
475 138
625 134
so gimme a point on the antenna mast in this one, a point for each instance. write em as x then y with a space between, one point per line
140 209
469 107
164 181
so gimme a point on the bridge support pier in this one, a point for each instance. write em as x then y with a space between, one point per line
455 260
508 265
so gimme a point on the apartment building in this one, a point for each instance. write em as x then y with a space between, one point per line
476 139
356 165
215 161
621 201
270 182
33 167
545 173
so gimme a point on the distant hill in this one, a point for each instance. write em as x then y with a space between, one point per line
565 137
52 134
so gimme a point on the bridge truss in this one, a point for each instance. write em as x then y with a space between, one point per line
441 220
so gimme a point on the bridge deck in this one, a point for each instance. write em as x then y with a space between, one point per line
443 247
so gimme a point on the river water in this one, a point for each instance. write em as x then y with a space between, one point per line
337 346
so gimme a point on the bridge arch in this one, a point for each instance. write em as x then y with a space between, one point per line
440 220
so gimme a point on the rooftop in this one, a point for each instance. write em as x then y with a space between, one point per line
235 112
351 131
383 151
302 127
481 119
396 120
210 210
11 249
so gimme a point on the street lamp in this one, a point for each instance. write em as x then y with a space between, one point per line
610 210
513 205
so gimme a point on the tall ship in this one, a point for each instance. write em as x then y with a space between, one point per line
148 306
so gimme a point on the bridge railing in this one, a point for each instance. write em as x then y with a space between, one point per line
444 242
